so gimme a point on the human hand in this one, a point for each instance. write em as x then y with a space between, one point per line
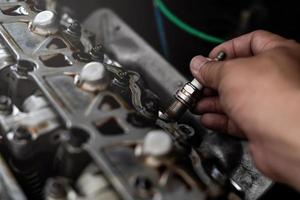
256 94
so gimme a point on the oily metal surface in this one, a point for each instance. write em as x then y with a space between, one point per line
128 47
81 110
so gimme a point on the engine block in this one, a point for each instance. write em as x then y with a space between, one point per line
79 117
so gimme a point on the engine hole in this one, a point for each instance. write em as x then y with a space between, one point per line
56 60
109 103
56 43
78 137
110 127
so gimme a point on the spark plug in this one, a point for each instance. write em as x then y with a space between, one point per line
187 97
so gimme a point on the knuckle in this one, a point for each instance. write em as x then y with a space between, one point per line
260 32
221 124
215 105
204 74
271 58
232 128
197 64
292 42
195 60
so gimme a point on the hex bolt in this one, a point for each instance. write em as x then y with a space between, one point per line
6 106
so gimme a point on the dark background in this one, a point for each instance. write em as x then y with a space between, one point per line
221 18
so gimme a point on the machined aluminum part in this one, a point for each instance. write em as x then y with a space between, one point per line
91 115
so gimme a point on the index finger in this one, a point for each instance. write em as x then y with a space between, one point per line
249 45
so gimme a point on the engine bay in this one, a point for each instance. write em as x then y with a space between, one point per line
79 116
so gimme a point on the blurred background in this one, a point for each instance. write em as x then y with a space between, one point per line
181 29
223 19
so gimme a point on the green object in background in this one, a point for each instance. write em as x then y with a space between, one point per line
184 26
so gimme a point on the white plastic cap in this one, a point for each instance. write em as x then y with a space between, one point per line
157 143
196 83
93 72
45 23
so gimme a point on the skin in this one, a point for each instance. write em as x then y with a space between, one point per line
255 94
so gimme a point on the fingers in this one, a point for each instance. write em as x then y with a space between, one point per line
207 72
249 44
208 92
221 123
209 105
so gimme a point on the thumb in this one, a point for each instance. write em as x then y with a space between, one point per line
206 71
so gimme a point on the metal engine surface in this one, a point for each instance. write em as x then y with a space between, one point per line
79 111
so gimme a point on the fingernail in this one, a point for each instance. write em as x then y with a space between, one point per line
198 62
